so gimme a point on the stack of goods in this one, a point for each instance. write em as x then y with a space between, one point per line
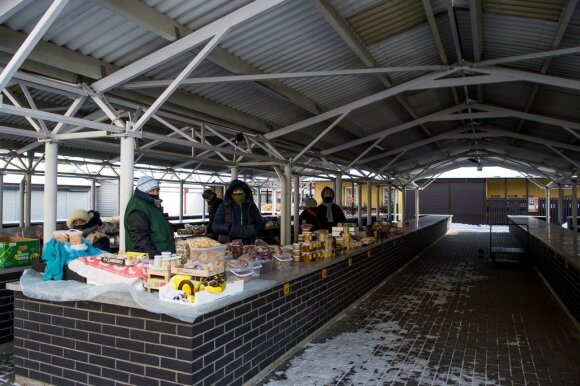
182 250
196 230
206 257
312 246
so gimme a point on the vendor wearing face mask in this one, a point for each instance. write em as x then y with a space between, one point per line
146 227
328 213
238 217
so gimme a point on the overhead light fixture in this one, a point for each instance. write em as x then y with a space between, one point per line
479 167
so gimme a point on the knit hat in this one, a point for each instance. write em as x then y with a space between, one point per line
77 214
208 194
146 184
310 202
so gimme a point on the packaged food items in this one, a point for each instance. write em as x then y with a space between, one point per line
61 236
237 248
75 237
281 262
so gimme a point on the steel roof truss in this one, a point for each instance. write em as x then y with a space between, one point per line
31 40
184 44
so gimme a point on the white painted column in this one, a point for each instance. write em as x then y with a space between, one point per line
403 204
574 204
50 189
389 201
93 194
273 199
21 194
548 205
260 199
359 203
28 200
283 208
560 205
203 204
379 202
233 172
417 207
296 207
338 190
1 200
288 203
181 201
370 202
125 183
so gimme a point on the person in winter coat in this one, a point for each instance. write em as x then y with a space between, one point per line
308 215
328 213
213 203
90 223
238 217
146 227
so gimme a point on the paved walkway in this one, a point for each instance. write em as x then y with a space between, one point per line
448 318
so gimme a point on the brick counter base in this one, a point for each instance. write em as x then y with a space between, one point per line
83 342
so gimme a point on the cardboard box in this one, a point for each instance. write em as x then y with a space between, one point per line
18 251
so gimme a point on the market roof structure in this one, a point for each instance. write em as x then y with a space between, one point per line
401 90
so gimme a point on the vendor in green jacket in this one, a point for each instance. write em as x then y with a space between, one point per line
146 227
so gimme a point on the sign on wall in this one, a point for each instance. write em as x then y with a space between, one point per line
533 203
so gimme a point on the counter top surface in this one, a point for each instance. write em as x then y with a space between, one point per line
564 241
265 282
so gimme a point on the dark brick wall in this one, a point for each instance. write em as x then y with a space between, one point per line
562 275
7 306
86 342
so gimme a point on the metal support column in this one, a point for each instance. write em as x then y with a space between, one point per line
359 204
288 202
274 200
181 201
379 202
417 207
403 204
21 202
338 190
125 183
283 208
561 218
93 194
296 207
28 200
50 189
574 205
370 202
1 200
233 173
548 205
260 199
389 201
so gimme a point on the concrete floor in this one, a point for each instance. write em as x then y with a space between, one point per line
448 318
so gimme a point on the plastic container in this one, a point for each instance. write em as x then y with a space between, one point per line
245 274
266 265
281 262
256 268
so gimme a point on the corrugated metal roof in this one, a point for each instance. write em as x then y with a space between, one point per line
537 9
296 37
414 47
386 19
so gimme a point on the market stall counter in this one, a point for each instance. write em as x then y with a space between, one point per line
114 338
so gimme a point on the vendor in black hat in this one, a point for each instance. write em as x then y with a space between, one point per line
213 203
328 213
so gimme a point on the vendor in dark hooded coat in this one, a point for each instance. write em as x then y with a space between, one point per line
328 213
238 216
